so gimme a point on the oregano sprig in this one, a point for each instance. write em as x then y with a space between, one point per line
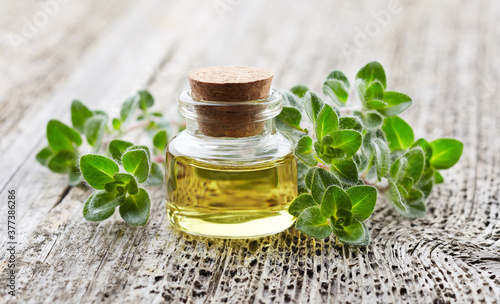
117 169
351 156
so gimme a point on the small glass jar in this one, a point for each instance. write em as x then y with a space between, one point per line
230 173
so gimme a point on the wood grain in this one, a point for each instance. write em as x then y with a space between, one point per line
443 54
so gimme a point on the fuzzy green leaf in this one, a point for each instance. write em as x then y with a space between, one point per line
363 199
396 103
313 105
136 162
327 122
62 162
425 145
299 90
292 100
438 178
445 153
410 165
136 208
44 155
348 141
301 203
370 73
308 179
345 170
129 182
336 86
62 137
290 117
304 151
117 148
356 234
128 108
146 100
350 123
160 140
399 134
334 199
370 120
312 223
156 175
322 179
381 156
94 130
408 203
101 205
79 115
97 170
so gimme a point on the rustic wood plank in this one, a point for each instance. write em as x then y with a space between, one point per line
443 55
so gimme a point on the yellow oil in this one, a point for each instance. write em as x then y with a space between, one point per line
241 201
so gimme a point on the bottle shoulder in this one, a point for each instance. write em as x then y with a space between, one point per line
231 151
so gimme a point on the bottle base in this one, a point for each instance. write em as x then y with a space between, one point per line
232 225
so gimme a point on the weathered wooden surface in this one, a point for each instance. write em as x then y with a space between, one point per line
444 54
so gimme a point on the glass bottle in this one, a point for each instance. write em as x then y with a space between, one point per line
230 173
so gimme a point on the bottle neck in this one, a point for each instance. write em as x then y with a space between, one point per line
230 119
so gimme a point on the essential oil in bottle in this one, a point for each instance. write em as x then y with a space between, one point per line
230 173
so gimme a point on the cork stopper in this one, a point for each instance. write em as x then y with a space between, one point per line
230 84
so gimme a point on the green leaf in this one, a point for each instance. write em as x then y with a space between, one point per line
370 120
301 203
425 145
62 137
313 105
445 153
327 122
160 140
146 100
290 117
101 205
312 223
62 162
304 151
425 187
97 170
128 108
350 123
94 130
156 175
410 165
292 100
396 103
75 177
128 180
301 174
322 179
308 179
299 90
348 141
408 203
117 148
399 134
44 155
136 208
381 156
116 123
115 187
79 115
157 114
136 162
374 97
356 234
345 170
370 73
363 199
334 199
336 86
438 178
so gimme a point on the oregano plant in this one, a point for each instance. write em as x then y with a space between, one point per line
116 169
348 156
